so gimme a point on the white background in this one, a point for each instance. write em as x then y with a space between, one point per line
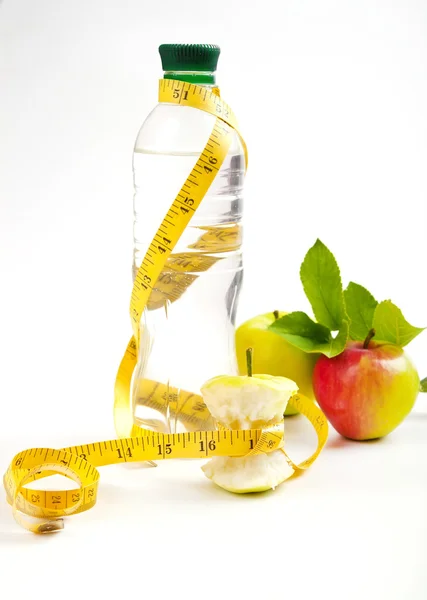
331 96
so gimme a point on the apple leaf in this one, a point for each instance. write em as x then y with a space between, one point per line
302 332
423 385
360 306
339 342
391 326
321 279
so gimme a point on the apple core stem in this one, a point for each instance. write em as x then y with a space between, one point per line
369 337
249 352
276 314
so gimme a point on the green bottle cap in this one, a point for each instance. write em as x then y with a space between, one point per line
195 63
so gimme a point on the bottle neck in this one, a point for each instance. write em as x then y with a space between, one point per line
204 78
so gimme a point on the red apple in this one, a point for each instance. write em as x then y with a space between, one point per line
366 392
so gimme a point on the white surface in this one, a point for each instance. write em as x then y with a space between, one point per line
340 155
354 526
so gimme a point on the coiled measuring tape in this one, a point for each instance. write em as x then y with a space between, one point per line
134 443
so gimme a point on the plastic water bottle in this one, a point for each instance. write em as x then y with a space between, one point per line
187 329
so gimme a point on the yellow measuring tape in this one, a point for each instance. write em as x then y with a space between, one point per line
152 284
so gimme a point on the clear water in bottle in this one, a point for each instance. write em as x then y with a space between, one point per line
187 329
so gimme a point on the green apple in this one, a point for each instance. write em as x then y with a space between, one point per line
274 355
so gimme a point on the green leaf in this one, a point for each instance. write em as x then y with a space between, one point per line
360 307
423 385
339 342
321 279
299 325
303 333
391 326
